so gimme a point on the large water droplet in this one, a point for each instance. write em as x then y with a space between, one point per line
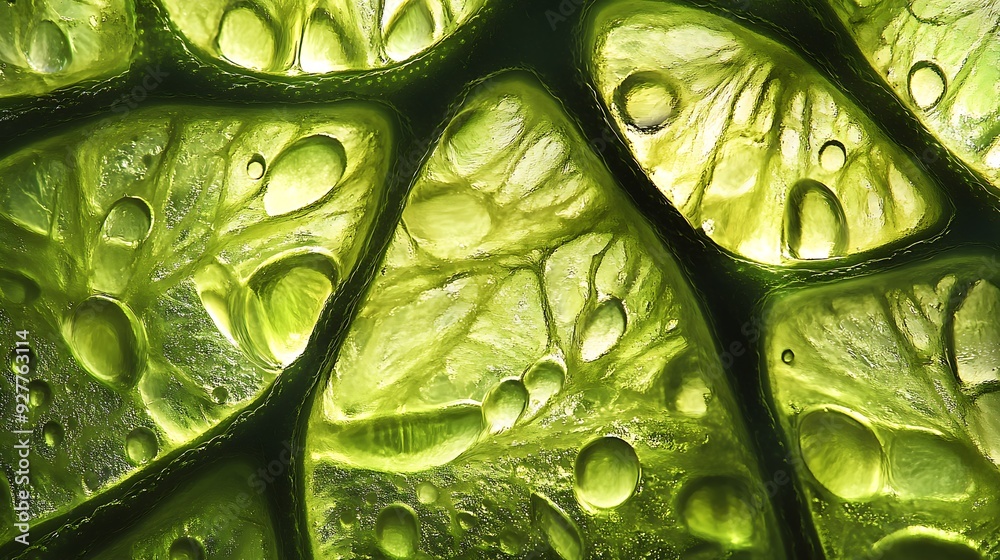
303 174
39 394
719 509
607 473
215 283
841 453
186 548
407 442
925 465
48 49
504 404
410 31
602 329
815 225
832 156
284 302
107 339
544 380
128 221
398 531
448 225
322 48
141 446
427 493
53 433
559 530
927 84
647 100
246 38
923 543
976 335
17 288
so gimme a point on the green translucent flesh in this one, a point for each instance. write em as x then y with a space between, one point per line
529 369
942 58
290 37
49 45
751 143
220 515
887 390
161 290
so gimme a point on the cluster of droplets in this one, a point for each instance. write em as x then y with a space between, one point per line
248 37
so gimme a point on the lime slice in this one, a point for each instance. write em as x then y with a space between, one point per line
886 389
48 45
167 268
296 37
754 146
942 59
530 369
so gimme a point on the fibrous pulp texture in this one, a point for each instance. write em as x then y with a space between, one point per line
529 370
750 142
168 266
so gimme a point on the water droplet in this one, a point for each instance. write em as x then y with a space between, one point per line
186 548
348 518
284 302
141 446
107 339
925 465
832 156
841 453
53 433
647 100
504 405
927 84
602 329
410 31
246 38
559 530
256 167
39 394
398 531
511 542
322 49
543 381
17 288
923 543
788 356
449 224
220 394
407 442
48 48
467 520
815 225
303 174
719 509
427 493
607 473
976 335
128 221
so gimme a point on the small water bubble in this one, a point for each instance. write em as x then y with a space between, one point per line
53 433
